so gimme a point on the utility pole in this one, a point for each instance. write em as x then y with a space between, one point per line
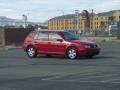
24 20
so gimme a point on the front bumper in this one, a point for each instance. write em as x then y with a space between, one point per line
90 52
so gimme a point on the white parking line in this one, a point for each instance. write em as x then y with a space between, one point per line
55 77
112 80
99 76
82 81
60 75
78 79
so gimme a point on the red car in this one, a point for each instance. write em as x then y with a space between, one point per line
51 42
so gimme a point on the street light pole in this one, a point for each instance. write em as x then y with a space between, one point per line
77 20
24 20
118 31
92 20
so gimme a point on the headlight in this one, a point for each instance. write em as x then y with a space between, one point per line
87 46
98 46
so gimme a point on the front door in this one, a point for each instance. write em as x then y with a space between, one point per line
55 46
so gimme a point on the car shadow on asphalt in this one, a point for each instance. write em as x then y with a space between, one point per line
100 57
97 58
104 57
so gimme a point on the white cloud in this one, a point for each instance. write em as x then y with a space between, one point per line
104 6
41 10
6 10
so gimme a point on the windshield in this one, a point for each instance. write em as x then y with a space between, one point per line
69 36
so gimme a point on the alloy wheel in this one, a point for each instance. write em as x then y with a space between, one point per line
72 53
31 51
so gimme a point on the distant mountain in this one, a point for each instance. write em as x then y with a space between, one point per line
109 13
15 22
8 21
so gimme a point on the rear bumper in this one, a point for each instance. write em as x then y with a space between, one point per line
89 52
24 46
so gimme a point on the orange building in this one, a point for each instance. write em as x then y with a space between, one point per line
95 22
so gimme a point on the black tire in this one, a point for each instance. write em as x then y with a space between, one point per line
31 52
72 53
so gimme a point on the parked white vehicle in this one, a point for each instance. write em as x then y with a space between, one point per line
112 29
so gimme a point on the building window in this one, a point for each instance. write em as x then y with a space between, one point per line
106 18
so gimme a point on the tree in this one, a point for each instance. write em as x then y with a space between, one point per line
30 26
102 25
111 18
9 26
21 26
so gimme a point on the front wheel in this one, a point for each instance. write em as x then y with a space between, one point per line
72 53
31 52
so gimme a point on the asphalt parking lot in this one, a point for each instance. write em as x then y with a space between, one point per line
18 72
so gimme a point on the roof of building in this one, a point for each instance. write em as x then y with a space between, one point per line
109 13
64 17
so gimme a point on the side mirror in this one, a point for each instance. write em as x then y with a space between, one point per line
60 40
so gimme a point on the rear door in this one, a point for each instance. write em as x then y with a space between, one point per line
41 42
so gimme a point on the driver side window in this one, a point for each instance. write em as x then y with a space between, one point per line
54 36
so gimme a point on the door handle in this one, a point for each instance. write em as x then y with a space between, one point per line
36 42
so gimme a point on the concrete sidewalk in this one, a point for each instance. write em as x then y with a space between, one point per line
104 39
2 48
9 47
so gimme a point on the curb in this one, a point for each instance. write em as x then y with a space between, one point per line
12 48
9 48
103 40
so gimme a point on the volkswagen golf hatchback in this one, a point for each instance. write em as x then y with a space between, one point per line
49 42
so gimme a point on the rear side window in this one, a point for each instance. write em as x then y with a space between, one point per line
41 36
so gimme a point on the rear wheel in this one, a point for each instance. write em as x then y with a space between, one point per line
31 52
72 53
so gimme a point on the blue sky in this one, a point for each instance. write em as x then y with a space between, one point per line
42 10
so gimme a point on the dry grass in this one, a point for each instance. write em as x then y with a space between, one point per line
104 39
